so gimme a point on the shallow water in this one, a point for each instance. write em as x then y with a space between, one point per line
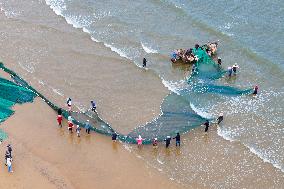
250 34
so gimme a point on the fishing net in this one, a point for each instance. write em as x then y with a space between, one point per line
178 111
205 74
10 94
20 91
178 114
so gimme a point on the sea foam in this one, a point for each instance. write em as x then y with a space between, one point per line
148 49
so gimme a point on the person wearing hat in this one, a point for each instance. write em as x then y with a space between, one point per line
219 61
234 68
70 126
220 118
168 141
88 127
69 104
155 143
139 141
177 139
78 129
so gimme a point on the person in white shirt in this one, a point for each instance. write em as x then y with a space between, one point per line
9 164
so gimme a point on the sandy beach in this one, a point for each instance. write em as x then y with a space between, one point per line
46 156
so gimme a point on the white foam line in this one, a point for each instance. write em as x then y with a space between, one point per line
55 6
118 51
172 86
148 50
251 149
200 112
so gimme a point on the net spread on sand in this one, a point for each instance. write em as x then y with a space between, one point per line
178 114
10 94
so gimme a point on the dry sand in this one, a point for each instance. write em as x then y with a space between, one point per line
46 156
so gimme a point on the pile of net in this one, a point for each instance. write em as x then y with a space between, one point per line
10 94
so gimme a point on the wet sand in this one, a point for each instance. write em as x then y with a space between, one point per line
61 61
212 162
46 156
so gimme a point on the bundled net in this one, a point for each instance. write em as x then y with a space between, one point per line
206 73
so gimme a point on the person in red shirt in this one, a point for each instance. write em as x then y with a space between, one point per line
70 125
59 117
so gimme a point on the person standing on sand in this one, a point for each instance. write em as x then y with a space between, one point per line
9 164
206 125
69 104
78 129
144 62
70 124
177 139
7 155
139 141
168 141
93 106
88 127
114 137
59 117
155 143
9 149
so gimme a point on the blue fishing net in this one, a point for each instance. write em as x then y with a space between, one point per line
178 111
10 94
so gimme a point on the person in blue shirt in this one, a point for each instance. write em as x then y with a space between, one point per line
93 106
87 127
177 139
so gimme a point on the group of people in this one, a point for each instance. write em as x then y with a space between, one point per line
187 56
69 105
8 158
70 120
139 140
232 70
168 139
